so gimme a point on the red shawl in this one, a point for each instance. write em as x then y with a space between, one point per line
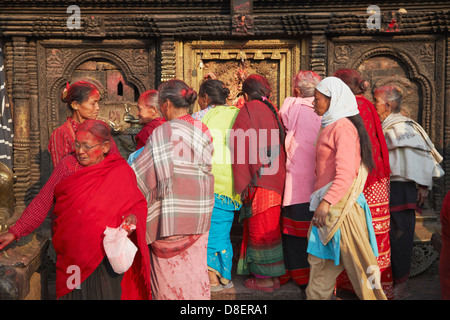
87 202
147 130
379 148
258 156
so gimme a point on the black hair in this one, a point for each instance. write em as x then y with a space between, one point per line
364 141
177 92
216 91
80 91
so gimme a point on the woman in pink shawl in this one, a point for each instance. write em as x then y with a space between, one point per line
302 126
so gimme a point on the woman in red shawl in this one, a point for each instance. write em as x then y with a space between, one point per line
376 189
93 189
259 170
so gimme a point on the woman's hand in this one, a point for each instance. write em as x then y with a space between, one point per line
5 239
129 223
422 194
320 214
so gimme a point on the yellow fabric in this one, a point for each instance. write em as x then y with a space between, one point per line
219 121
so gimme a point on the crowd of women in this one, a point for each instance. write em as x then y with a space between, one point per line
326 189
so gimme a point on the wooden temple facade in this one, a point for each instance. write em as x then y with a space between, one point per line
126 47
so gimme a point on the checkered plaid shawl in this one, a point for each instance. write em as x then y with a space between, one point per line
174 174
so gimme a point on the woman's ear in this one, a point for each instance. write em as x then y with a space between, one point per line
297 92
388 106
245 97
154 110
106 147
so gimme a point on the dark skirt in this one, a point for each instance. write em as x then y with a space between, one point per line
403 206
102 284
296 220
403 196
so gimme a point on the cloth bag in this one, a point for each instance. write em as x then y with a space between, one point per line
119 249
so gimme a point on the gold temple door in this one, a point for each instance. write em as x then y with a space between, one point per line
232 61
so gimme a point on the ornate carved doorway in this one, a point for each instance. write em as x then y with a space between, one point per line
231 61
121 70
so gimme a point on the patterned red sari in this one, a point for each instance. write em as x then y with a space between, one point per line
61 141
377 192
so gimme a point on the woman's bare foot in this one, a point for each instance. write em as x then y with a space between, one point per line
213 279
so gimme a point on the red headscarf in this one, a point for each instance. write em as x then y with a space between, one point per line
379 148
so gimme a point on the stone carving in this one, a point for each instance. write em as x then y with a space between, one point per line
427 52
242 25
55 62
94 26
342 53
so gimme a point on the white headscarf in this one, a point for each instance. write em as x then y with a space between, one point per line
343 102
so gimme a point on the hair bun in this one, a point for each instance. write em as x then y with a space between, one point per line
226 91
190 95
363 85
65 92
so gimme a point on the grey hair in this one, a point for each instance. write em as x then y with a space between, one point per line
306 81
151 98
393 95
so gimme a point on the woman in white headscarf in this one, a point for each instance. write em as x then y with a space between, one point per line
342 235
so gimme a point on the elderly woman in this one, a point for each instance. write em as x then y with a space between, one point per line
82 100
259 170
414 162
301 124
376 190
174 174
219 118
88 198
149 116
342 235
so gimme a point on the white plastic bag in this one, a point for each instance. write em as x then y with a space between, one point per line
119 249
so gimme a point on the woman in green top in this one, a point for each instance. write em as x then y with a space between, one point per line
219 118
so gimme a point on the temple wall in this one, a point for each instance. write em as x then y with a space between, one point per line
127 47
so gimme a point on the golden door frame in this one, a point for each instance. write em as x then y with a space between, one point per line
285 57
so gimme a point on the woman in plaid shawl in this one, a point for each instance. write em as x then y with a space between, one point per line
174 174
